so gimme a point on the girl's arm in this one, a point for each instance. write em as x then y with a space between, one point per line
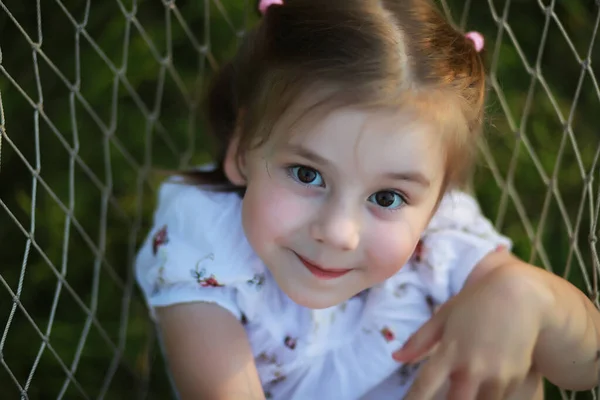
567 352
510 319
568 347
208 353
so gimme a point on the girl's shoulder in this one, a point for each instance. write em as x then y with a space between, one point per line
457 208
196 201
201 216
196 250
457 238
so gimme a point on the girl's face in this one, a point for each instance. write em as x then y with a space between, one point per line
336 204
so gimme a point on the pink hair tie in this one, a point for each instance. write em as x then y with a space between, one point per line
265 4
477 39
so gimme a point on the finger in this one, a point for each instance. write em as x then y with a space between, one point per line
512 388
464 388
528 388
432 376
493 390
422 341
426 354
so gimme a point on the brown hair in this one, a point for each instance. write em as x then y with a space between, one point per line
373 52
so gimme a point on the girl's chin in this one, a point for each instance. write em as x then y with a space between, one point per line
317 301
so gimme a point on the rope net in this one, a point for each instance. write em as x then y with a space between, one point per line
94 95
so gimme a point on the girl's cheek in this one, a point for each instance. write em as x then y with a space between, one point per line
389 249
273 212
284 208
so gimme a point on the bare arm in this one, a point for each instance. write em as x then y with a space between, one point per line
568 347
208 353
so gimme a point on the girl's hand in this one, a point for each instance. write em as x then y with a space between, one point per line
481 342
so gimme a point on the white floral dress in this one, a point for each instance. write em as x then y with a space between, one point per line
197 251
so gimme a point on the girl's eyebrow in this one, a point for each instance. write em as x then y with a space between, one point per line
410 176
306 153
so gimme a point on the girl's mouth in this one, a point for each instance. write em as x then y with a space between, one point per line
320 272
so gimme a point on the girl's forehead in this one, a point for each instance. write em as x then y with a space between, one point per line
324 106
435 116
359 134
346 123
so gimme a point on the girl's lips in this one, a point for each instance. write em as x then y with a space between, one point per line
320 272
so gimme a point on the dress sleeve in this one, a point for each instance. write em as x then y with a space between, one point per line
196 251
457 238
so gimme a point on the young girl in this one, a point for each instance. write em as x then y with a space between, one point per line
329 251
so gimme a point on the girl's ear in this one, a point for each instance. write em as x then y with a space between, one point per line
234 164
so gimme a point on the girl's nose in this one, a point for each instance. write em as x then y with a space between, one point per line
337 228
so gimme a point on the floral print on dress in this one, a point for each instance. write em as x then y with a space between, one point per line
406 372
431 303
160 280
424 256
418 252
263 358
202 277
432 255
418 256
501 247
160 238
257 280
387 334
278 377
401 289
290 342
204 280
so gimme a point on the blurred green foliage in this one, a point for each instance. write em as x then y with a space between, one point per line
114 92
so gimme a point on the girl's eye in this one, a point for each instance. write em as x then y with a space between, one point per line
307 175
387 199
